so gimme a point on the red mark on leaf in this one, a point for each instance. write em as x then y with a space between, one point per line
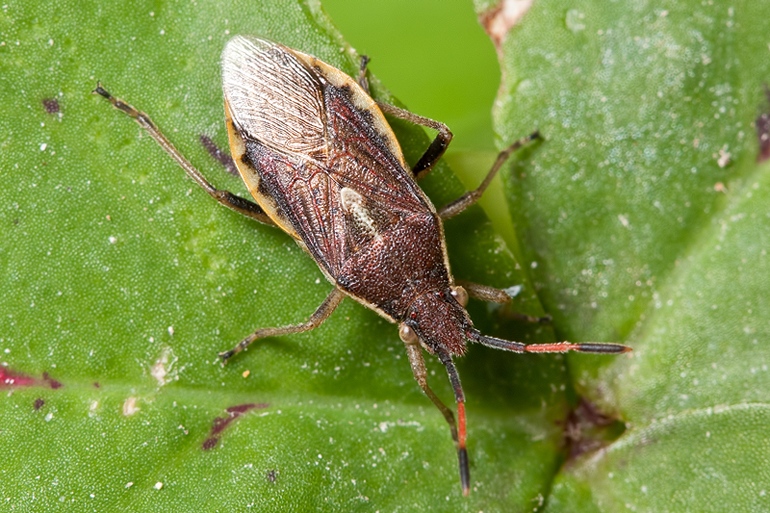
588 429
38 404
763 130
51 382
243 408
51 105
501 18
9 378
220 423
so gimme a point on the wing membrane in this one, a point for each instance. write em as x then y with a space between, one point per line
273 96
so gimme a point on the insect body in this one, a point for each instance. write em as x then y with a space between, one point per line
317 154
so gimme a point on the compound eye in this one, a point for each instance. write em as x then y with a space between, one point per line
460 295
407 334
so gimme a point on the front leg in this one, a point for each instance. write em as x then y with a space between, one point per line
466 200
439 145
226 198
436 149
319 316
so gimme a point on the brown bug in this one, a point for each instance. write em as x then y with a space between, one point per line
316 152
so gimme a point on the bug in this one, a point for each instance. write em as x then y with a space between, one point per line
318 156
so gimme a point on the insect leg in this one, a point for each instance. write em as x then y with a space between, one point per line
226 198
315 320
362 80
471 197
554 347
493 295
414 352
436 148
439 144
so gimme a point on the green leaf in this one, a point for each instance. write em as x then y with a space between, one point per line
644 215
122 280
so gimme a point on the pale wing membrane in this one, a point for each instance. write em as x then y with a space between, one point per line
273 97
276 103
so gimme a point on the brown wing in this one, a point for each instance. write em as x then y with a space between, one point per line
316 151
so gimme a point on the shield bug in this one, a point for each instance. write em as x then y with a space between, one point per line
315 151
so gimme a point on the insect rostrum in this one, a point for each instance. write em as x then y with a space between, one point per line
322 163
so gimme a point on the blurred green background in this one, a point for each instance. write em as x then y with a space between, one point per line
433 55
